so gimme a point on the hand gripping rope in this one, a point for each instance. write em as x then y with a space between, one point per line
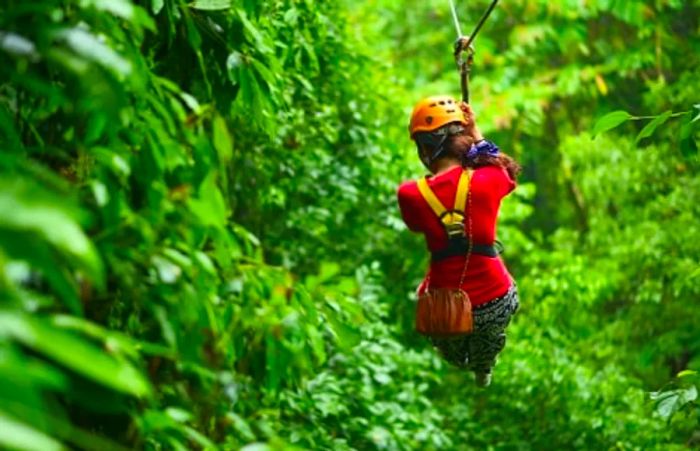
464 45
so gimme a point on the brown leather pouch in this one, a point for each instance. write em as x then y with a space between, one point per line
444 312
447 312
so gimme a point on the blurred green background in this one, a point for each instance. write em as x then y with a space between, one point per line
200 246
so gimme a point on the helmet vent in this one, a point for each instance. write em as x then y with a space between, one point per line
429 120
442 102
433 105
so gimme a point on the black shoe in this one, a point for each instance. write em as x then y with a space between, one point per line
482 379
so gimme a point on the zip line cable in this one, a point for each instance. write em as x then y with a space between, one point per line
481 23
456 19
464 44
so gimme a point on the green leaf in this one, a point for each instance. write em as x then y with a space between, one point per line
48 218
265 73
19 436
40 257
670 402
120 8
234 63
210 206
157 6
254 34
18 45
112 340
211 5
222 140
686 373
610 121
94 50
257 447
687 142
74 352
651 127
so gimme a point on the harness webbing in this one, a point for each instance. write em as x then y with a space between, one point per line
453 221
463 191
457 212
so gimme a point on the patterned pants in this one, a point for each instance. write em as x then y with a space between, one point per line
478 351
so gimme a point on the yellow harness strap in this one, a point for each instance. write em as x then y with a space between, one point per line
457 212
430 197
463 191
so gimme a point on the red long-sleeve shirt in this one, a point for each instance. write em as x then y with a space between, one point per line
487 277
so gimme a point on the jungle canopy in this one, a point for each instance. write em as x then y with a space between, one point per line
200 246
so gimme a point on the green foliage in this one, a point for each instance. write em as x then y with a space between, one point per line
200 247
610 121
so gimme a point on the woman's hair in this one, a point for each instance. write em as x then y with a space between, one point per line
457 146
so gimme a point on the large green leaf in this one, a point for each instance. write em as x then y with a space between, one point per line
651 127
610 121
75 352
26 209
121 8
211 5
16 435
670 402
42 258
92 49
222 140
209 206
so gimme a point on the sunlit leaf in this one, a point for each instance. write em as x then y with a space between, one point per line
610 121
211 5
651 127
75 353
121 8
115 341
257 447
24 209
209 206
222 140
18 45
21 436
93 49
157 6
686 373
670 402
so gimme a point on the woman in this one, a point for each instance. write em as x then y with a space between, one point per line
449 142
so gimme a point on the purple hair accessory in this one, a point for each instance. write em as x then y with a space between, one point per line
484 147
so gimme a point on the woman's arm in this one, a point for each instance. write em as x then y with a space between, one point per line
408 214
473 129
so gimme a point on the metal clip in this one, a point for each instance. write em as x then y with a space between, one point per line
455 230
464 45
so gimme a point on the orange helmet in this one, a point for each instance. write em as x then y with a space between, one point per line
434 112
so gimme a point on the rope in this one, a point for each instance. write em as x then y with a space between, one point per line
456 19
466 45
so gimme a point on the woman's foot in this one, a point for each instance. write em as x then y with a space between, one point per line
482 378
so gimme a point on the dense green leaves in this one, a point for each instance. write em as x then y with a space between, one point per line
200 247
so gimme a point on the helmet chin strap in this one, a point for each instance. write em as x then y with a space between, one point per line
436 142
438 151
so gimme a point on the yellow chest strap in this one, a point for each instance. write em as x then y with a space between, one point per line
456 214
